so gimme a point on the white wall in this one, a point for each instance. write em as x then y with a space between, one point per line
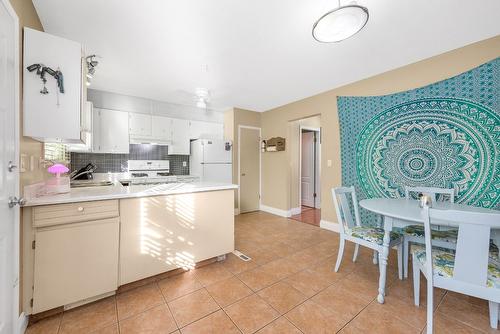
107 100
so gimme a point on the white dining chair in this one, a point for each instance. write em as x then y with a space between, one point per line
352 230
467 269
414 234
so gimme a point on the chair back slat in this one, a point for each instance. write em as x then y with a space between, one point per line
432 192
471 255
345 217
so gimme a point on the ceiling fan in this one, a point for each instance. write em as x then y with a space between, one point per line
202 98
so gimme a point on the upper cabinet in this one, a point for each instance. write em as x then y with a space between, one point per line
162 128
140 125
206 130
180 137
111 131
53 93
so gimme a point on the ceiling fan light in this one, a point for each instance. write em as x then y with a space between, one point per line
201 104
340 23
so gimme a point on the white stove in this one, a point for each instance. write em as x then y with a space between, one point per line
150 172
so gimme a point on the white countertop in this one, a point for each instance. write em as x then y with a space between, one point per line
118 191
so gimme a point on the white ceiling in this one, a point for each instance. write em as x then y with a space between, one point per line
259 53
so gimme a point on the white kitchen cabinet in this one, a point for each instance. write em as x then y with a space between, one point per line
140 125
206 130
180 137
53 116
76 252
161 129
111 131
87 125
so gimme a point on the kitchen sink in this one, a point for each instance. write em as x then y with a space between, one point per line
90 183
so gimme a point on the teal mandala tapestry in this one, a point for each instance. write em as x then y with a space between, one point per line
443 135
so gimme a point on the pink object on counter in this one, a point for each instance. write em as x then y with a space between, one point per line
58 169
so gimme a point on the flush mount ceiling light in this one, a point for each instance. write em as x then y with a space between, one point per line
340 23
202 97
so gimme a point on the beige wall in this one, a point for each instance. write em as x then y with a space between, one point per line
232 120
27 18
276 183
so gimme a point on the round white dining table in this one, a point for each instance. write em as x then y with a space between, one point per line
400 212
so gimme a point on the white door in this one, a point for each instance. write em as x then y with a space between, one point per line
249 152
9 177
307 169
216 151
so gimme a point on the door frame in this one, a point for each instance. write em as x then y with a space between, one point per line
19 321
239 163
318 158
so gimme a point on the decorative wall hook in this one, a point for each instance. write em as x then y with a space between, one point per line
41 70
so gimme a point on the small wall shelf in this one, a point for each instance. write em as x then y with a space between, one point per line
275 144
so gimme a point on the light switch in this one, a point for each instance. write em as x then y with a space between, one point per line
328 163
33 163
23 162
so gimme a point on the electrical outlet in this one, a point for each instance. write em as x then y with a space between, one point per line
184 164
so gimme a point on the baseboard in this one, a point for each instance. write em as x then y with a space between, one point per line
22 323
331 226
275 211
295 211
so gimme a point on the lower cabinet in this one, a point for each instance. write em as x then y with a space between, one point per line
74 262
162 233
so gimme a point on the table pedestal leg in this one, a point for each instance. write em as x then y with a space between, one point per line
383 257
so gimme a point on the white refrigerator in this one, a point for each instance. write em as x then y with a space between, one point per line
211 160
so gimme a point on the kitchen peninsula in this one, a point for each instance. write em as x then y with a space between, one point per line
83 245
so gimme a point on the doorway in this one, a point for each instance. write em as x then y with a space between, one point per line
249 168
309 183
9 173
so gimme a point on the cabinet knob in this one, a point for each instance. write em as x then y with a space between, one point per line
80 209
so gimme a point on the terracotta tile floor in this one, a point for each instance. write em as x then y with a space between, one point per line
308 215
288 287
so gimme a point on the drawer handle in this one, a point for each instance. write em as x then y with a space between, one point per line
80 208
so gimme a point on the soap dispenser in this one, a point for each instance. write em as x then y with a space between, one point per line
57 184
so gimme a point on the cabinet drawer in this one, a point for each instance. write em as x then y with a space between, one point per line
57 214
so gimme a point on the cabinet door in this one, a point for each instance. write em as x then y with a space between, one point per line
53 116
74 262
196 129
140 125
96 130
205 130
162 128
114 131
180 137
216 130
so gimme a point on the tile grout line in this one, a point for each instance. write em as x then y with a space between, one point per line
168 306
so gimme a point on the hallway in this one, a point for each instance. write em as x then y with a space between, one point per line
308 215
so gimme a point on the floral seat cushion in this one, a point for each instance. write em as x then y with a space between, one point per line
444 263
371 234
418 231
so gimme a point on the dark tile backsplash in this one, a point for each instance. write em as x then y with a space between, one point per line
115 163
